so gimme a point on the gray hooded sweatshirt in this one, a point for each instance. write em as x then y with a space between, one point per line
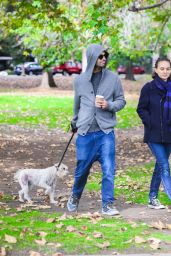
84 100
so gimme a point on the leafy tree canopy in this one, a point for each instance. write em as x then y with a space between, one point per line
57 30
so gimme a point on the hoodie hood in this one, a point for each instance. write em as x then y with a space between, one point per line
92 54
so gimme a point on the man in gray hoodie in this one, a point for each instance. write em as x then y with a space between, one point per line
98 96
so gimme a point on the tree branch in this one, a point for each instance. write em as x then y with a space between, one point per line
133 8
161 31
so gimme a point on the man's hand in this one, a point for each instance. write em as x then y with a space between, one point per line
102 103
73 127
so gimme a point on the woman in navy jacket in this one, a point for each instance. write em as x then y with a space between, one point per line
154 109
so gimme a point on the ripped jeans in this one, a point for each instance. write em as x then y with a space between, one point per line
161 173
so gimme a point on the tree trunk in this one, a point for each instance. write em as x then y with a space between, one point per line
51 80
129 71
47 80
84 60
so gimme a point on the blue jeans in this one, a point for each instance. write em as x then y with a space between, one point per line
161 151
95 146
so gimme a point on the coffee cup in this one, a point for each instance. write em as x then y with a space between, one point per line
99 98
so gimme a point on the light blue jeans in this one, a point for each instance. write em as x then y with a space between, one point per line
161 173
95 146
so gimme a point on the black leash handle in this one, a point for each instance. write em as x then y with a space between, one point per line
66 149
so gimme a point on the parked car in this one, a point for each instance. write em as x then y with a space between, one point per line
137 69
68 68
30 68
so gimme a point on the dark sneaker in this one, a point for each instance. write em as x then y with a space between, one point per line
110 210
72 204
154 203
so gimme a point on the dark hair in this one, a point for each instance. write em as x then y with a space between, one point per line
157 62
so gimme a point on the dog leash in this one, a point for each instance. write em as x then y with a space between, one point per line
66 149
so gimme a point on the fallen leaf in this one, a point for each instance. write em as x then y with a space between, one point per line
63 217
71 229
128 241
64 199
104 245
158 225
41 207
60 225
10 239
50 220
3 251
155 246
139 240
84 227
1 194
97 234
42 233
168 226
40 242
154 243
88 238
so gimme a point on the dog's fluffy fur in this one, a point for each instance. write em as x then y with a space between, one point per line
45 178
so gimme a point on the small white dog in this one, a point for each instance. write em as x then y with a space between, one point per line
45 178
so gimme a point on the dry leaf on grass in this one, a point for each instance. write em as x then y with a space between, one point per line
41 242
71 229
60 225
154 243
128 241
88 238
97 234
10 239
84 227
104 245
157 225
41 207
1 194
168 226
3 251
63 217
42 233
56 245
139 240
155 246
50 220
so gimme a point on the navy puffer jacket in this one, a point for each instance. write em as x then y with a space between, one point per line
150 110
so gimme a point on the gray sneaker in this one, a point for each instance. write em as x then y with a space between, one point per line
110 209
154 203
72 203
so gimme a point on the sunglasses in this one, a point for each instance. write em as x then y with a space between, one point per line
106 54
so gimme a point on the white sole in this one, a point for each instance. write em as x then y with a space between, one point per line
156 208
110 214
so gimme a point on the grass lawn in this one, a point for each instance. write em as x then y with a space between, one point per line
134 181
88 233
52 112
83 233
